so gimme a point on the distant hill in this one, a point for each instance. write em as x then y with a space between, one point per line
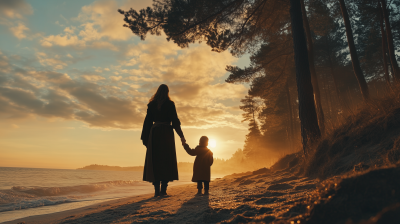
113 168
182 166
219 166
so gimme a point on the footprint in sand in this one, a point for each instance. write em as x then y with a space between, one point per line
246 182
277 187
265 201
305 187
286 179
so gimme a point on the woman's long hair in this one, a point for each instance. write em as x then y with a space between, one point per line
161 95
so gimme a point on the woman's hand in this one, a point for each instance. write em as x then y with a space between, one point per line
183 140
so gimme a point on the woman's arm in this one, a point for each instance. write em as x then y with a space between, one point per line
176 123
147 124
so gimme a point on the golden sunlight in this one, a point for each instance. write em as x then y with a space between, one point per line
212 143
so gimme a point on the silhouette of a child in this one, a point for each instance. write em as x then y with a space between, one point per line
202 164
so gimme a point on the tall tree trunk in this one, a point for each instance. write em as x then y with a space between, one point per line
314 78
353 53
384 46
289 101
308 117
389 36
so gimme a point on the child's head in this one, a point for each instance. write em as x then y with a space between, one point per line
203 141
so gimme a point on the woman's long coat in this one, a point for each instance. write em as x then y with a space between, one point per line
160 163
202 163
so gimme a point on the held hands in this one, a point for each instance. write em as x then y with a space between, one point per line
183 140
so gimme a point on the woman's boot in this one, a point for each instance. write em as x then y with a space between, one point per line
164 185
156 189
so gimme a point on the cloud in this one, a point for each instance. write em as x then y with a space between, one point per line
207 117
106 111
97 25
70 30
194 77
18 31
190 73
48 77
12 16
101 19
93 78
50 61
63 97
116 78
224 91
15 9
69 39
114 93
63 40
31 104
103 14
103 45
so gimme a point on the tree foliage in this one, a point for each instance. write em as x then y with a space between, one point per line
266 30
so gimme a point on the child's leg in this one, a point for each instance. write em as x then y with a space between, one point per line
206 187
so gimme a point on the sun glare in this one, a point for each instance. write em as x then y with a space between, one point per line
212 143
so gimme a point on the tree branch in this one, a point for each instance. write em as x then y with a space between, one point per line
202 21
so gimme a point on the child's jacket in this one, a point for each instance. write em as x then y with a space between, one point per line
204 159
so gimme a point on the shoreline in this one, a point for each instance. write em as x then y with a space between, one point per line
42 205
276 196
57 217
263 196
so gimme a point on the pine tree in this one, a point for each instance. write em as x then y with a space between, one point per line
252 146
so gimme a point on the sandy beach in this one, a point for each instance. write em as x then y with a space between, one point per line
261 196
277 195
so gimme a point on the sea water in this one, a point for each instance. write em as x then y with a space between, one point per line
34 191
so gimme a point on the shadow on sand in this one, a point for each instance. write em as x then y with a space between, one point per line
110 215
195 210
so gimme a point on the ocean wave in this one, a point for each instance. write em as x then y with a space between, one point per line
23 203
20 197
56 191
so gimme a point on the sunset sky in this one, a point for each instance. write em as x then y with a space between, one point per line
74 86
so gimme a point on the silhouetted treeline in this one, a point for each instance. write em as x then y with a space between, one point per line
313 62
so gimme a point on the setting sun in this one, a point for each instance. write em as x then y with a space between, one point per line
212 143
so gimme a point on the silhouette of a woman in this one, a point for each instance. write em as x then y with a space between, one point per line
160 164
